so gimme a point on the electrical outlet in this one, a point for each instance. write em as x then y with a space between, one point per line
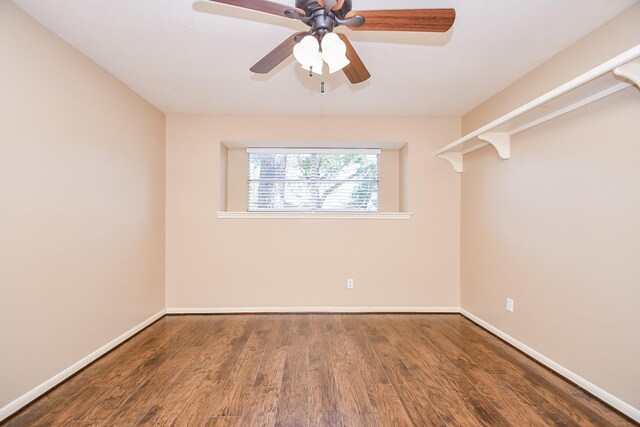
510 305
349 283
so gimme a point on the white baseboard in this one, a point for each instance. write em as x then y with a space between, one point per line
33 394
620 405
223 310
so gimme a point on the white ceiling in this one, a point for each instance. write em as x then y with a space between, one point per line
194 57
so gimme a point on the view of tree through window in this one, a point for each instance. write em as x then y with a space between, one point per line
313 180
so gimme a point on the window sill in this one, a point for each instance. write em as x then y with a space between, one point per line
315 215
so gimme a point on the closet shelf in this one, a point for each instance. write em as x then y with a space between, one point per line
608 78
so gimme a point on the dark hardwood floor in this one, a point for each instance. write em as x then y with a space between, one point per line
315 370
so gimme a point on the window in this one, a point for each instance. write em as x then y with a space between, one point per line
313 179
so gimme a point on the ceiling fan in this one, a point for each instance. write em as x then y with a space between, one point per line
320 44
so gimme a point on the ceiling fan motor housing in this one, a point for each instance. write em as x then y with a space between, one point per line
310 6
322 20
322 23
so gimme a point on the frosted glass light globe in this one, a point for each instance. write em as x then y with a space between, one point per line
308 55
334 52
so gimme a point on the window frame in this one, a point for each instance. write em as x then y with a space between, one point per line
312 150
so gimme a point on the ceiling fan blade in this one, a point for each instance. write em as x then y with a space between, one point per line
420 20
277 55
356 72
261 6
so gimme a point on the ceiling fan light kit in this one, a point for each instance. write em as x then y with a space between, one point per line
321 44
311 57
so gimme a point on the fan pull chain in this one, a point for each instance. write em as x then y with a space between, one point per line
321 83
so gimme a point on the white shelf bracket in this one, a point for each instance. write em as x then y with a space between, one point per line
454 158
501 141
629 71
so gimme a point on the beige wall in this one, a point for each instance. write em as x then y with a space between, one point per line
236 189
305 263
81 206
556 227
389 182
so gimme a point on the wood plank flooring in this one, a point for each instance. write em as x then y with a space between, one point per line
315 370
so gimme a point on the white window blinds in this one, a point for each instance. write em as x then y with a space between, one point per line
313 179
